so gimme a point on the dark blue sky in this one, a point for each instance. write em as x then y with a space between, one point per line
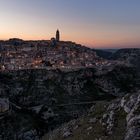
97 23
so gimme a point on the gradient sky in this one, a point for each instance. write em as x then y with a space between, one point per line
96 23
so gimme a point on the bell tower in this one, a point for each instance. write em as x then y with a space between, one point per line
57 36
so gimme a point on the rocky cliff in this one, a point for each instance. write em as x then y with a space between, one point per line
34 87
42 100
115 120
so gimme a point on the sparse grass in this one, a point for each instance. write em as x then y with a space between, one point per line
97 131
81 133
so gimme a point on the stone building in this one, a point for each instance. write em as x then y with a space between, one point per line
4 105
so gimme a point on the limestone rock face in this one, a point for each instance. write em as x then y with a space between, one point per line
67 134
29 135
118 119
36 87
133 118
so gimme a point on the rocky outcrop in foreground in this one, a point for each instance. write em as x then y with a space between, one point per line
115 120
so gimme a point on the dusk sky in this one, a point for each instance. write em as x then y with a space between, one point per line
95 23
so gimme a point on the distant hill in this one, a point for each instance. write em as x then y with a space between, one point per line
110 50
130 55
103 53
125 53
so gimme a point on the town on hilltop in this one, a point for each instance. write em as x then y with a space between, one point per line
69 70
53 89
17 54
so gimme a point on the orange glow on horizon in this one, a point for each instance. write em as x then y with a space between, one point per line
95 41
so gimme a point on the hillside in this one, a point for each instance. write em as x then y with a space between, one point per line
115 120
103 53
17 54
131 56
42 100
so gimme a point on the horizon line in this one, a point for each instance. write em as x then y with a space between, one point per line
114 46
